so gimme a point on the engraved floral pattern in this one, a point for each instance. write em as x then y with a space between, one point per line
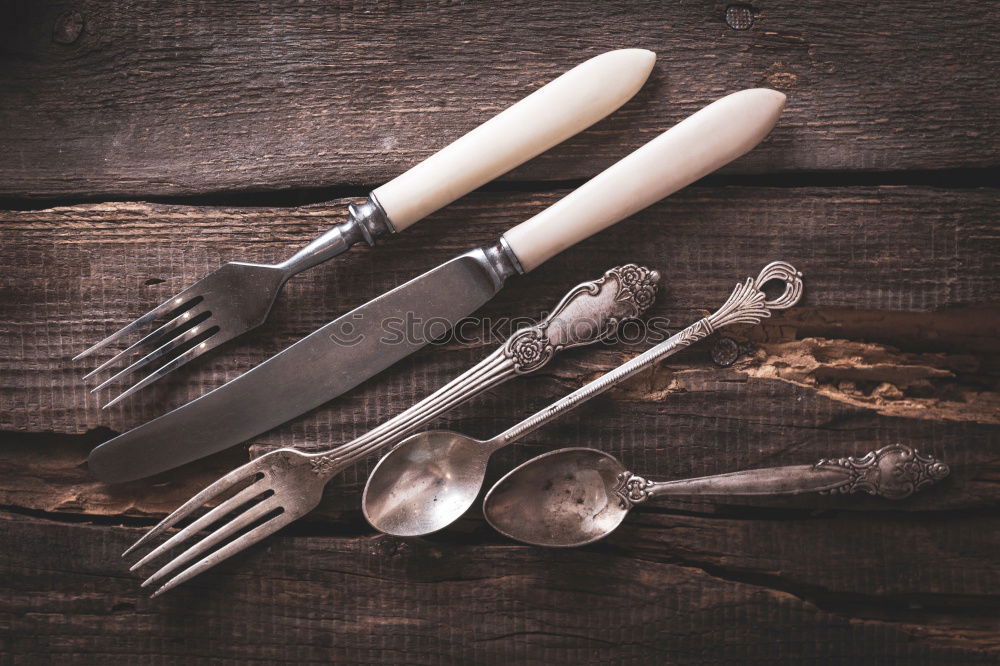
586 314
632 489
636 284
530 349
323 465
893 472
631 274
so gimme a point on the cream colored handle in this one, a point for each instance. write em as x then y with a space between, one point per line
696 146
553 113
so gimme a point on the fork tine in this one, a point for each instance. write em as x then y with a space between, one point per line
223 532
184 510
172 303
193 314
250 538
173 364
234 502
157 353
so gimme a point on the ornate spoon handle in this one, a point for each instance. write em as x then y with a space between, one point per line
746 305
590 312
893 472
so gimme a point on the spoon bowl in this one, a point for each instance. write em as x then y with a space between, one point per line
431 479
572 497
426 483
564 498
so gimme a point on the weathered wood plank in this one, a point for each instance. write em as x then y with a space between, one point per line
75 274
667 589
190 97
687 419
897 339
896 342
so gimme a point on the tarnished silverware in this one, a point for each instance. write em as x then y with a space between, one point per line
572 497
430 479
281 486
238 296
320 366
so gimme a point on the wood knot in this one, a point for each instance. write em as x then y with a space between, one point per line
727 351
740 17
68 27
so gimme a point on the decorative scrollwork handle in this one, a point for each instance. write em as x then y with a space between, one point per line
589 313
632 489
893 472
747 304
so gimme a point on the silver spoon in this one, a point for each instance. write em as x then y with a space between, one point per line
572 497
430 479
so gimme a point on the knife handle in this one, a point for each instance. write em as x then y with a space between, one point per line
698 145
550 115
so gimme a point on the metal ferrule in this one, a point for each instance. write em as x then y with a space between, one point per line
371 219
365 222
502 260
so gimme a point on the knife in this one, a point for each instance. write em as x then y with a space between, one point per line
360 344
238 296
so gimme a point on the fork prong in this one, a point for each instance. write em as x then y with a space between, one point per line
250 538
157 353
199 314
223 532
210 342
184 510
172 303
234 502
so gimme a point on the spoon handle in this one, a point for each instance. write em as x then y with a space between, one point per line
893 472
746 305
591 311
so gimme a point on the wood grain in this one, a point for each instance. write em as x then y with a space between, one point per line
910 267
666 589
78 273
302 101
896 341
180 98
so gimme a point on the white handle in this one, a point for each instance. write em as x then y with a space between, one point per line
553 113
696 146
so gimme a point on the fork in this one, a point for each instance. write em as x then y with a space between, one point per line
221 306
284 485
238 296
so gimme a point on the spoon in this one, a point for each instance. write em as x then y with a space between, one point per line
572 497
430 479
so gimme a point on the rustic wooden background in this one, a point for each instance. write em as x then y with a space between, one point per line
145 143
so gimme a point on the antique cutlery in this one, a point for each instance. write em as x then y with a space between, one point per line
321 366
238 296
430 479
572 497
293 482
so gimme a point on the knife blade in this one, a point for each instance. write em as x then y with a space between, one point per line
354 347
299 378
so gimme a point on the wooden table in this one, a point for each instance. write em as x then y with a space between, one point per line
145 143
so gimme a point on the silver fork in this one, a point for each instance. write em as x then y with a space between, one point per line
238 296
286 484
225 304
